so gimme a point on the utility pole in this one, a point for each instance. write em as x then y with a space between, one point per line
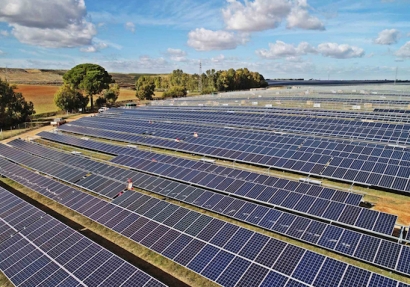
395 77
200 77
6 74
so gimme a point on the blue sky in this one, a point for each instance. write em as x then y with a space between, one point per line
279 38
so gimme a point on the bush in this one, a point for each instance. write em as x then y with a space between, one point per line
176 92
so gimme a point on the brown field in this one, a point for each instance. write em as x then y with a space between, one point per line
42 96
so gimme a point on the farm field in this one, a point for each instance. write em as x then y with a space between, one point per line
43 96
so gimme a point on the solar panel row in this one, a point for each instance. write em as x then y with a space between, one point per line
368 169
225 172
384 222
103 186
222 257
312 190
377 114
313 232
376 221
336 127
41 251
317 99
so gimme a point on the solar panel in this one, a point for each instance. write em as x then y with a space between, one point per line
134 231
35 254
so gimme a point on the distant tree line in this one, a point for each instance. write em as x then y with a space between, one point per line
178 83
14 109
81 84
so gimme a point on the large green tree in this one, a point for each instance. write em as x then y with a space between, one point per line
13 107
90 79
69 99
145 88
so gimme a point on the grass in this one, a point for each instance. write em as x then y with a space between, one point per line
4 281
138 250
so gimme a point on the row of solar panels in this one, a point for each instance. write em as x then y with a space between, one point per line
362 218
369 172
378 114
253 141
347 242
222 255
300 201
80 178
302 99
370 131
37 250
269 120
231 175
368 134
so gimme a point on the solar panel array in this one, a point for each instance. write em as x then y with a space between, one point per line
271 193
101 185
353 162
319 99
323 126
229 255
377 114
347 242
37 250
223 173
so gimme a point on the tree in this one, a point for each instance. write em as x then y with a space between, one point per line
111 95
69 99
145 88
90 79
13 107
176 92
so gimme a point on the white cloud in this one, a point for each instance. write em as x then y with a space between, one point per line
404 51
218 59
177 55
387 37
333 50
281 49
255 15
205 40
130 27
4 33
52 24
96 47
340 51
259 15
299 17
1 52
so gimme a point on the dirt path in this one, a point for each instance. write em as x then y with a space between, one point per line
34 132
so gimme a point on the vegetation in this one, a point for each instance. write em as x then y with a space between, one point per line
145 88
176 92
69 99
177 84
212 81
14 108
89 79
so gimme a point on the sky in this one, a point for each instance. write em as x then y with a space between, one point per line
310 39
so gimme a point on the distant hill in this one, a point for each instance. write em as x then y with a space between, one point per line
55 77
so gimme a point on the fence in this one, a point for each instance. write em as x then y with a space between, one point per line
20 128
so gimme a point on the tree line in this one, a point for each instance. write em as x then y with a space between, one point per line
178 83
